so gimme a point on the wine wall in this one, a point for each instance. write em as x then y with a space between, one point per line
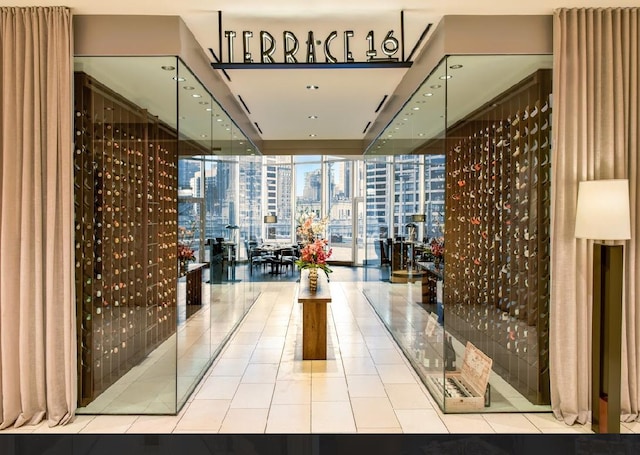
125 175
497 233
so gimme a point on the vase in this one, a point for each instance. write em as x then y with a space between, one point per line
313 279
183 266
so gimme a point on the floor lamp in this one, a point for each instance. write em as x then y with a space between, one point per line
420 218
270 219
603 214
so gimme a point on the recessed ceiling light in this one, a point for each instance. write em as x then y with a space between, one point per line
203 135
168 67
228 129
249 150
203 102
427 94
455 67
420 134
405 119
241 143
415 108
188 87
179 79
208 109
197 95
448 76
435 86
397 127
312 87
389 135
313 117
312 135
218 120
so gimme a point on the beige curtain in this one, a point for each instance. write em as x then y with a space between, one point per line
595 136
37 324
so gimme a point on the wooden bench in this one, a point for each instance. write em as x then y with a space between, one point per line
314 316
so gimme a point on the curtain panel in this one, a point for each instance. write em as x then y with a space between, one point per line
37 302
595 136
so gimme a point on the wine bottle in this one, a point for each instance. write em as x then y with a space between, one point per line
449 355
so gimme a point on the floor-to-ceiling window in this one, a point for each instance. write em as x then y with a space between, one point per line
294 186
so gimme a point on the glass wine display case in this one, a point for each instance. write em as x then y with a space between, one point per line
150 141
475 315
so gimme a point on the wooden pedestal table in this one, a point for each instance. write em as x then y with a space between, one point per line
431 296
194 283
314 316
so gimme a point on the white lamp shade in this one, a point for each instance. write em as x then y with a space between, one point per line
603 210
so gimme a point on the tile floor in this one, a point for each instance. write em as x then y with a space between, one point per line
260 384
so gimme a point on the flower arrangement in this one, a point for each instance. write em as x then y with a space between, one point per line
315 255
437 247
185 252
437 251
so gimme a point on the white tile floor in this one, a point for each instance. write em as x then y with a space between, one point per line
260 384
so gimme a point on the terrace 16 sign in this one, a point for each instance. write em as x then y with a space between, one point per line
290 52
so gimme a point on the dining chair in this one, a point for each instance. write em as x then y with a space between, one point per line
287 258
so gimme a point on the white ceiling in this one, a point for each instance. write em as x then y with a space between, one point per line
347 98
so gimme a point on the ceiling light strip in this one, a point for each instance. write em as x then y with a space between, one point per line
366 128
384 98
244 104
258 127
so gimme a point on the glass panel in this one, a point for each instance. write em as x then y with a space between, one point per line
434 190
220 207
194 174
158 179
339 183
279 189
308 186
251 177
487 290
360 231
125 193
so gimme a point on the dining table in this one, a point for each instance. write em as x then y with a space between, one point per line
271 253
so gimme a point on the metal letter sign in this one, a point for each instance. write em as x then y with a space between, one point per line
384 53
